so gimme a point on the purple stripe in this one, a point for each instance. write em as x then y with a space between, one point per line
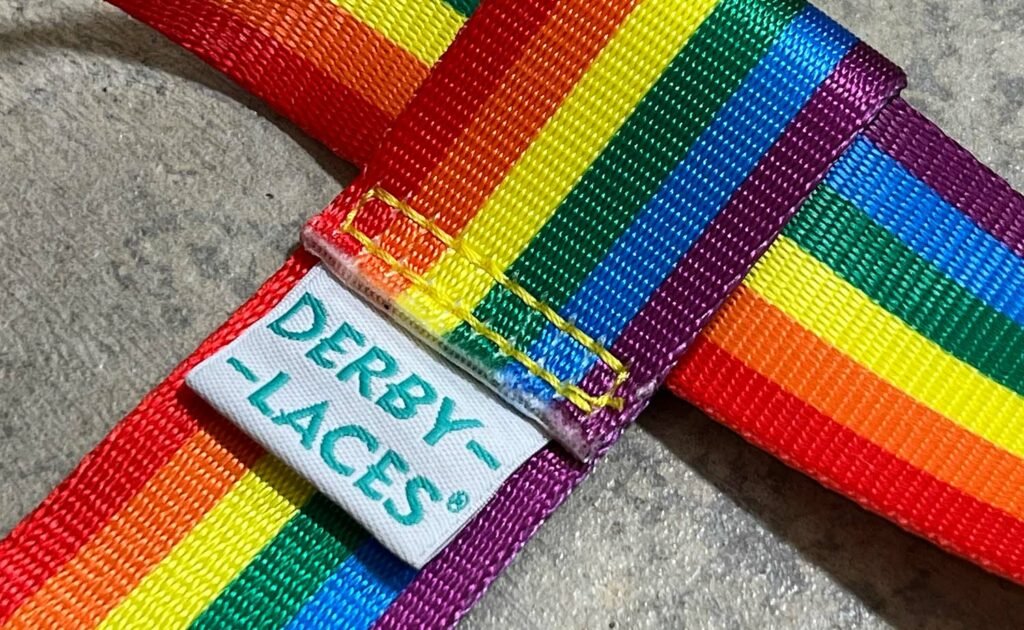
861 85
951 170
453 581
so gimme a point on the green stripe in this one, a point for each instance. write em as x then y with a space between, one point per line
465 7
872 259
288 571
644 151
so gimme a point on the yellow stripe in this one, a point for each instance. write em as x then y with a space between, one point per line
423 27
823 303
570 141
216 550
585 401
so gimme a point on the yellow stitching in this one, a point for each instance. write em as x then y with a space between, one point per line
582 399
489 267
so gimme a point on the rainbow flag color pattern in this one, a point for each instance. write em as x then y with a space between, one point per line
901 274
877 345
511 234
342 70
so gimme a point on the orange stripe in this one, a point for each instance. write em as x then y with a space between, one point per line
770 342
139 536
531 93
337 43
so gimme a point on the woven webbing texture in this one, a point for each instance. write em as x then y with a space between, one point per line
340 69
879 344
561 208
914 251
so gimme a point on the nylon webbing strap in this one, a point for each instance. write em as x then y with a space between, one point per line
568 199
878 344
561 208
342 70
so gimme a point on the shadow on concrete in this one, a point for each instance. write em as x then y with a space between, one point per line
114 35
902 577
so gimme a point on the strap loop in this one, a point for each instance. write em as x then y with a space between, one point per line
567 235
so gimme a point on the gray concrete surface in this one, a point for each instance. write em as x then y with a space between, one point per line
142 197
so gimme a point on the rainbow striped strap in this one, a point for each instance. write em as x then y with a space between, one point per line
879 344
600 191
900 274
342 70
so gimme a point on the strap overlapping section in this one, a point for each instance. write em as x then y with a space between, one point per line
633 171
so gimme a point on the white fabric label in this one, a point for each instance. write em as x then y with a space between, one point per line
407 443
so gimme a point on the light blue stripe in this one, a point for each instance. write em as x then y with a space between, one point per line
890 194
693 194
358 592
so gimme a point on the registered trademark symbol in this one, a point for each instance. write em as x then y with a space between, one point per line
458 501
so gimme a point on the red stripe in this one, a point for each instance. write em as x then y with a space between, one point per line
126 459
332 113
806 439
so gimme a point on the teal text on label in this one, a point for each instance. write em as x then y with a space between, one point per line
353 450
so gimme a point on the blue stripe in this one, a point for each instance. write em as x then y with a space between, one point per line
694 193
358 592
937 231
